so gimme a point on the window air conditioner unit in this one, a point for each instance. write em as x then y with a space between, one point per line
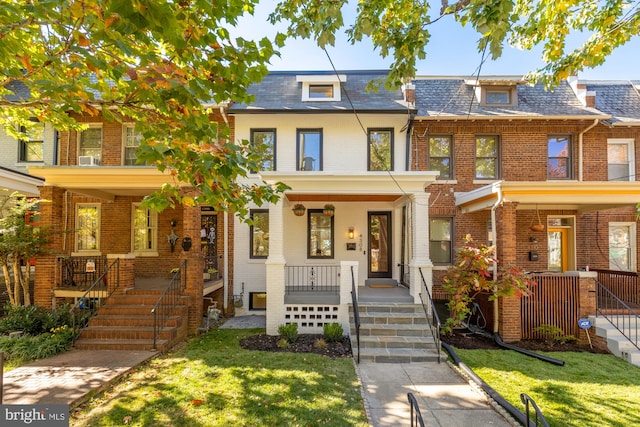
88 161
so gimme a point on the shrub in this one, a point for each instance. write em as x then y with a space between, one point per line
333 332
35 320
288 332
554 335
283 343
320 343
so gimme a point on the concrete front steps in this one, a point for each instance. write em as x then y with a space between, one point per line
125 322
393 333
617 343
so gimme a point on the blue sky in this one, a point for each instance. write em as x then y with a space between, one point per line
451 51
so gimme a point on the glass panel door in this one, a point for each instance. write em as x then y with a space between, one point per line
380 244
558 249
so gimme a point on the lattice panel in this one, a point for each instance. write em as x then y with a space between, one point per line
311 316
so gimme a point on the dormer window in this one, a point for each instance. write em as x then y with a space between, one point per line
323 87
496 92
498 97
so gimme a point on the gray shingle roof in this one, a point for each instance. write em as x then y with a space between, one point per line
617 98
455 97
279 91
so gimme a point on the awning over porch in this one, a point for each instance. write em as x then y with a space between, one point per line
566 195
104 182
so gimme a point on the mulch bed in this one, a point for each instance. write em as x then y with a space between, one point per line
305 343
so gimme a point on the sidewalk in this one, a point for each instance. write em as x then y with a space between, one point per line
446 399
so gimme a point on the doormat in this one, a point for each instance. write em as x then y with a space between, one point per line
381 285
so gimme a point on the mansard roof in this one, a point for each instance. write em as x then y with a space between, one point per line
281 91
458 97
618 98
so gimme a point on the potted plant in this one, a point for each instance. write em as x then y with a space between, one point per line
328 210
299 209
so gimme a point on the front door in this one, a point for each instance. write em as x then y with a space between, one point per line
380 244
558 249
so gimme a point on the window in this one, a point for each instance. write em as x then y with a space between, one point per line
32 146
144 229
91 143
264 140
259 232
257 300
380 149
620 160
440 149
559 157
440 248
320 91
498 97
87 227
487 151
131 144
309 149
320 234
621 246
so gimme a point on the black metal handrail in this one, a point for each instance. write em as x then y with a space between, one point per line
434 325
110 279
167 301
618 313
539 420
416 415
356 311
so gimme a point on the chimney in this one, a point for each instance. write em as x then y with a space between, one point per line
409 90
590 99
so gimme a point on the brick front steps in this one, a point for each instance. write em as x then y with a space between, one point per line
125 322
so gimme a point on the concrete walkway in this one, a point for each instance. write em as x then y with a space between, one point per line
445 398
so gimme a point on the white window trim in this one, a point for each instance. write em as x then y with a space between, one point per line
633 246
126 126
321 80
99 214
629 142
144 252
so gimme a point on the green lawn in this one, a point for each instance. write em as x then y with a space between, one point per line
590 390
212 381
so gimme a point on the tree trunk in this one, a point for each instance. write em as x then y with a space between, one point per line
26 282
17 275
7 283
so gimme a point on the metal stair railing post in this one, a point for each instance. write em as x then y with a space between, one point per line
626 323
167 301
434 325
110 275
416 415
539 420
356 311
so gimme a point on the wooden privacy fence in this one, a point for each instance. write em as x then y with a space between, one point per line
623 284
555 300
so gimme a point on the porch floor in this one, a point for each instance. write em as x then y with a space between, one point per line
398 294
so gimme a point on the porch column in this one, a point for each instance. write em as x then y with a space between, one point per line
194 285
51 212
275 269
509 307
420 245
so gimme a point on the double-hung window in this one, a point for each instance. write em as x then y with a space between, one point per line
440 235
487 157
259 233
380 149
144 229
309 149
559 157
440 159
87 227
90 145
31 146
622 237
131 143
320 234
620 160
264 141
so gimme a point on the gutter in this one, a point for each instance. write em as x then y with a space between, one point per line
580 148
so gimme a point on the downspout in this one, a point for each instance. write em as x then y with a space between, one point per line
407 156
494 230
56 141
225 261
580 149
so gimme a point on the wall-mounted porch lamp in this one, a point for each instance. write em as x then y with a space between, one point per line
351 233
173 237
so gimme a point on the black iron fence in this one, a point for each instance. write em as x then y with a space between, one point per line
312 278
79 271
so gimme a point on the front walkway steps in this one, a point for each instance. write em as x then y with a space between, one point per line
617 343
125 322
393 333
